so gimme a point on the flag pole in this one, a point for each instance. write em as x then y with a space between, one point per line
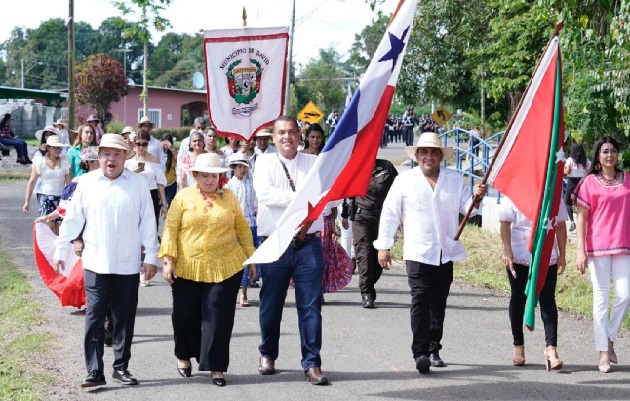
477 199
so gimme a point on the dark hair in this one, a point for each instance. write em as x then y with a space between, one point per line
203 140
5 119
595 166
169 154
286 118
84 165
143 135
317 128
80 130
578 154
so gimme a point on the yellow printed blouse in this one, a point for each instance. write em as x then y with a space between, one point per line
207 244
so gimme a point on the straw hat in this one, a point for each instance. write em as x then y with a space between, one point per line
50 128
115 141
428 140
55 140
264 133
238 158
127 130
209 163
89 153
146 120
60 122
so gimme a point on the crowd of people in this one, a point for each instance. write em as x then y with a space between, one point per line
220 204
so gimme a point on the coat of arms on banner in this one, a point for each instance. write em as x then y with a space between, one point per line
246 71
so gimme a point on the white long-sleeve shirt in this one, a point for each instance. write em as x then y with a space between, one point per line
118 218
155 148
274 192
430 216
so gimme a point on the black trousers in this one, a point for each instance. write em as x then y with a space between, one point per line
430 286
203 318
570 186
122 290
155 197
547 299
364 233
408 135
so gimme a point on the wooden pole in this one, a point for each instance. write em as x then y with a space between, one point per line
477 199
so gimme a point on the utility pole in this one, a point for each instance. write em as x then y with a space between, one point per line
71 101
287 89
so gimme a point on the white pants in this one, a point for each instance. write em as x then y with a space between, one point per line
346 235
602 268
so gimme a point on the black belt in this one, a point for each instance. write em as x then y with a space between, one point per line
308 236
369 212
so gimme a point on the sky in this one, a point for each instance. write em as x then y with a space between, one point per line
319 23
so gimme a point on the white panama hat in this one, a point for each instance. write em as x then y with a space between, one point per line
209 163
429 140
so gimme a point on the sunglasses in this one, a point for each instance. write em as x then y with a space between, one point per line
142 144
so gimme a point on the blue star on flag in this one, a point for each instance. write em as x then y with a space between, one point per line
397 47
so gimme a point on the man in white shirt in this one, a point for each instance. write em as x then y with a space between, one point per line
64 136
102 209
277 177
155 145
262 142
428 199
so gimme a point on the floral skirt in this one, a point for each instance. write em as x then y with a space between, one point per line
48 204
338 265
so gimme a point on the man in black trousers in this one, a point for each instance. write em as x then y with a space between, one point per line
366 211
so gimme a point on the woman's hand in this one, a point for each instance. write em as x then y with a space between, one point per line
164 209
562 264
78 247
344 223
42 219
26 207
168 270
252 272
507 258
581 260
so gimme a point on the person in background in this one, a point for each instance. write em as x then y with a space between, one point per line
186 178
171 167
332 121
63 134
41 152
54 171
200 124
603 243
241 185
211 138
7 138
314 142
428 199
112 197
366 212
303 262
98 130
515 232
155 146
338 266
206 241
129 135
262 142
232 147
575 168
86 138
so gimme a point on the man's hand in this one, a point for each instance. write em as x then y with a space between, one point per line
78 247
149 271
344 223
384 258
58 265
480 190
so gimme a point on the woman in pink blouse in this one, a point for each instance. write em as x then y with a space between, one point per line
603 201
197 145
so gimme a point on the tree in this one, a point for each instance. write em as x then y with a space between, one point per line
148 12
366 43
100 81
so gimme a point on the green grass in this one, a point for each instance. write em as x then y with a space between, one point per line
21 342
483 267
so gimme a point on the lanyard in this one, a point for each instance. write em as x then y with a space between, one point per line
286 171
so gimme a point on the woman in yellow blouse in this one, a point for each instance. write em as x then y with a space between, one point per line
206 240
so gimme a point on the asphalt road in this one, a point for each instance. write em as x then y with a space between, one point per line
366 353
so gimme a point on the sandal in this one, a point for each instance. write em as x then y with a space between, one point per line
244 302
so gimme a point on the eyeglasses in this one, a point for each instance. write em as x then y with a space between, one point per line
142 144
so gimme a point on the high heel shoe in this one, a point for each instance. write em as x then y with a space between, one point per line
611 352
185 372
552 360
604 362
518 356
218 381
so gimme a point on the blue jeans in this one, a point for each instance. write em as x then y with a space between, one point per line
20 146
305 266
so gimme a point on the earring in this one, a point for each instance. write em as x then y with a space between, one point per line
598 166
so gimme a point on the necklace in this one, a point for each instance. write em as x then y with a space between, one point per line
606 181
207 199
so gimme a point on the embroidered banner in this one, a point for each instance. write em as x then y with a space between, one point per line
246 76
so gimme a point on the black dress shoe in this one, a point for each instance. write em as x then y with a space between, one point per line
436 361
219 381
423 364
124 377
266 366
93 379
367 302
184 372
315 376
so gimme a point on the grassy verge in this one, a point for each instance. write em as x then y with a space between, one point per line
483 267
20 378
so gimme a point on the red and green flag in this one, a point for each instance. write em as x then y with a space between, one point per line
528 167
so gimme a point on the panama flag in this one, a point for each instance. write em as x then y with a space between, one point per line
528 168
344 166
246 75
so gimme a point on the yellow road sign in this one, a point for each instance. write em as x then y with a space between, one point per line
310 113
441 116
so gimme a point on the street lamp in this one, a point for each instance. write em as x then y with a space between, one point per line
124 52
24 73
